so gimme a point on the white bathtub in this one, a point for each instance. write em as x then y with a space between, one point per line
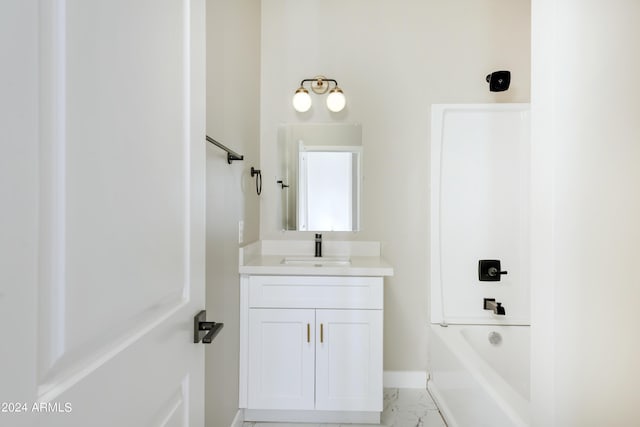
476 383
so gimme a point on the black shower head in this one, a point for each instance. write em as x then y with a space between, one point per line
499 81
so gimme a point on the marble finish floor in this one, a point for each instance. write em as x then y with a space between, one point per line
403 407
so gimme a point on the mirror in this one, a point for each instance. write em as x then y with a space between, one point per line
320 176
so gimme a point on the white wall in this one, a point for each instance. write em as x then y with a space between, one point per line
233 43
393 59
586 135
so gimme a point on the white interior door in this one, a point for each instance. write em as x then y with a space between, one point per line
102 180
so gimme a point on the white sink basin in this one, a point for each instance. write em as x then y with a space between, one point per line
317 261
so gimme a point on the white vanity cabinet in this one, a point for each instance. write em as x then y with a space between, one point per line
311 348
349 360
281 359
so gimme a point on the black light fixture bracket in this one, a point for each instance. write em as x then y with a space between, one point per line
319 84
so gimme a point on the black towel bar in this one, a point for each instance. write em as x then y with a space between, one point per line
231 155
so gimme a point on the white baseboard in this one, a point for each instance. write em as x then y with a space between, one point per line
404 379
238 420
315 417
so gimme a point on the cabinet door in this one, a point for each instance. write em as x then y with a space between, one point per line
281 359
349 360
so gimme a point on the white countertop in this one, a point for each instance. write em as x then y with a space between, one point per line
267 257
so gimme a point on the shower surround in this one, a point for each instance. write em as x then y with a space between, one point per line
480 179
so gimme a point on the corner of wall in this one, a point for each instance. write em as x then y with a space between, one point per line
238 420
233 115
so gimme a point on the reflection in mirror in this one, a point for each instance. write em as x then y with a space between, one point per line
328 188
320 176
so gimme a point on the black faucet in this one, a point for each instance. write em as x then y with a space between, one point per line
318 245
496 307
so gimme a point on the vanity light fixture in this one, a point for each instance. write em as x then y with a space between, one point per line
320 85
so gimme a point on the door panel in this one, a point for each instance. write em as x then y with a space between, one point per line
349 360
115 187
120 200
281 359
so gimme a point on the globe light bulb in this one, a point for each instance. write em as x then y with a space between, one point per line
301 100
336 100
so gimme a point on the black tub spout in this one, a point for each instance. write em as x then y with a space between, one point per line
496 307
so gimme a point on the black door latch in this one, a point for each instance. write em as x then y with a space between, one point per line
205 331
